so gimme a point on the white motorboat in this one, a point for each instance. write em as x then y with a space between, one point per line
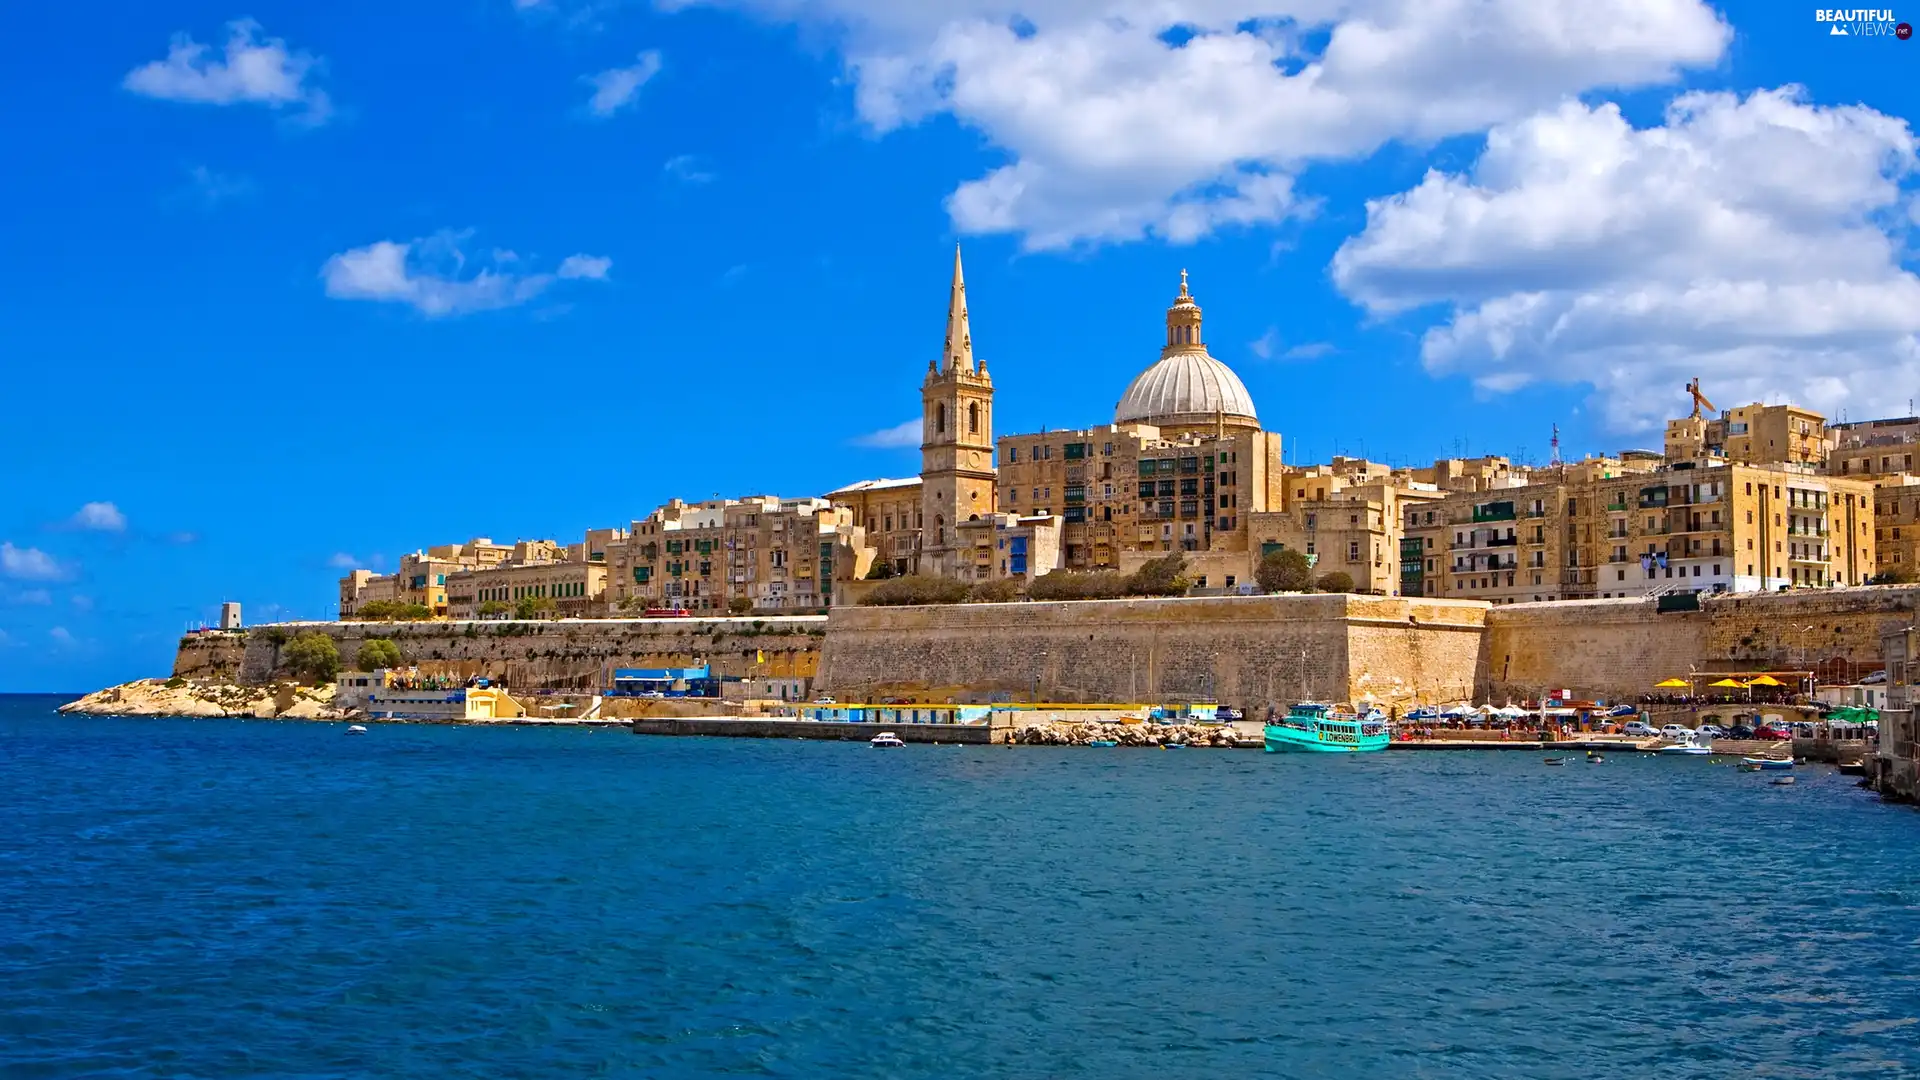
886 740
1694 745
356 729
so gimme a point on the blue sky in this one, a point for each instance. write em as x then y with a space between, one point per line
292 283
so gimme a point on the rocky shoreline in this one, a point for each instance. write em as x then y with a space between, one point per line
210 698
1086 734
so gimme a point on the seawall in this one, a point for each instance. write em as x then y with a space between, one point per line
561 654
749 728
1620 648
1249 651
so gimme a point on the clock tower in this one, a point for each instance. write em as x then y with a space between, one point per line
957 477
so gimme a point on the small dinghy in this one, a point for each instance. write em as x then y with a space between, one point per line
356 729
1593 758
1103 742
1556 761
1765 764
1781 781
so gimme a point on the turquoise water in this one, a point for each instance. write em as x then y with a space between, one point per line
233 898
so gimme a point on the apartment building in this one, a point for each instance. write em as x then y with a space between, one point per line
1753 434
777 554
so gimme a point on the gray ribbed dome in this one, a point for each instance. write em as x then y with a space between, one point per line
1188 385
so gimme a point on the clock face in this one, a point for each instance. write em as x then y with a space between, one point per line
973 459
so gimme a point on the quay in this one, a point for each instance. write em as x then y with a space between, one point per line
828 730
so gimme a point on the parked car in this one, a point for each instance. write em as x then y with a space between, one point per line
1712 731
1740 731
1877 677
1676 731
824 701
1771 731
1640 729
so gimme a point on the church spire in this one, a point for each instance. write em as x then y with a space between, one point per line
1183 323
959 354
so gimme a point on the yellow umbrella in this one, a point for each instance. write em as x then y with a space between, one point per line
1671 684
1766 680
1728 682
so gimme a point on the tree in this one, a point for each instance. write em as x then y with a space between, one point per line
377 653
917 589
393 611
313 655
495 607
1284 571
1164 576
997 591
533 607
1335 581
882 570
1078 585
1897 575
740 605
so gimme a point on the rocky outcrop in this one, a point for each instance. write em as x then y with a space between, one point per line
209 698
1084 734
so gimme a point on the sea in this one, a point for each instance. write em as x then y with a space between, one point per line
229 898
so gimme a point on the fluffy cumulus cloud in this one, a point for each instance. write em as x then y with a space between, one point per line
616 88
251 68
1124 118
29 564
432 275
99 517
1754 242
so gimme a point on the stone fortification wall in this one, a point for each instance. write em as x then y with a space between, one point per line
1245 651
564 654
1620 648
210 654
1596 648
1835 632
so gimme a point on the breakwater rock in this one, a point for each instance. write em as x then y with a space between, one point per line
209 698
1084 734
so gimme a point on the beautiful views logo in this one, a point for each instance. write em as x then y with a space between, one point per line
1862 22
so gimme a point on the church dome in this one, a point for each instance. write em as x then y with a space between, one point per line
1187 387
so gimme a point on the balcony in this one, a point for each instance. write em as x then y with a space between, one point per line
1503 541
1616 508
1494 512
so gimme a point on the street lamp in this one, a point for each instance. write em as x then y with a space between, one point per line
1803 631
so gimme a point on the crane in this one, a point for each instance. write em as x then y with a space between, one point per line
1699 399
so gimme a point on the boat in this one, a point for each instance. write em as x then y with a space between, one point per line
1556 761
886 740
1852 768
1695 745
1781 781
1175 745
356 729
1765 764
1317 727
1103 742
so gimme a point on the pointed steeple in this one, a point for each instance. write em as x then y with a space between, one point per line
959 354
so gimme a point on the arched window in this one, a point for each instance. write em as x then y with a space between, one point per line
940 419
973 418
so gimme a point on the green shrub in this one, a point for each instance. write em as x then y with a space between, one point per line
313 655
377 653
918 589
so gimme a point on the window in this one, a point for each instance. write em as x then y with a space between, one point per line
973 418
940 419
1013 455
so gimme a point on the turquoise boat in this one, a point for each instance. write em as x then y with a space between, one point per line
1312 727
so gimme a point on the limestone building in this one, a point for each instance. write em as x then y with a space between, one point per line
957 477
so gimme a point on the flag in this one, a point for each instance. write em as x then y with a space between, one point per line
760 656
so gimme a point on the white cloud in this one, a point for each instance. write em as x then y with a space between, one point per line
1263 346
687 169
592 267
61 636
250 69
99 517
1744 241
897 437
1124 118
343 561
615 88
29 564
430 275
